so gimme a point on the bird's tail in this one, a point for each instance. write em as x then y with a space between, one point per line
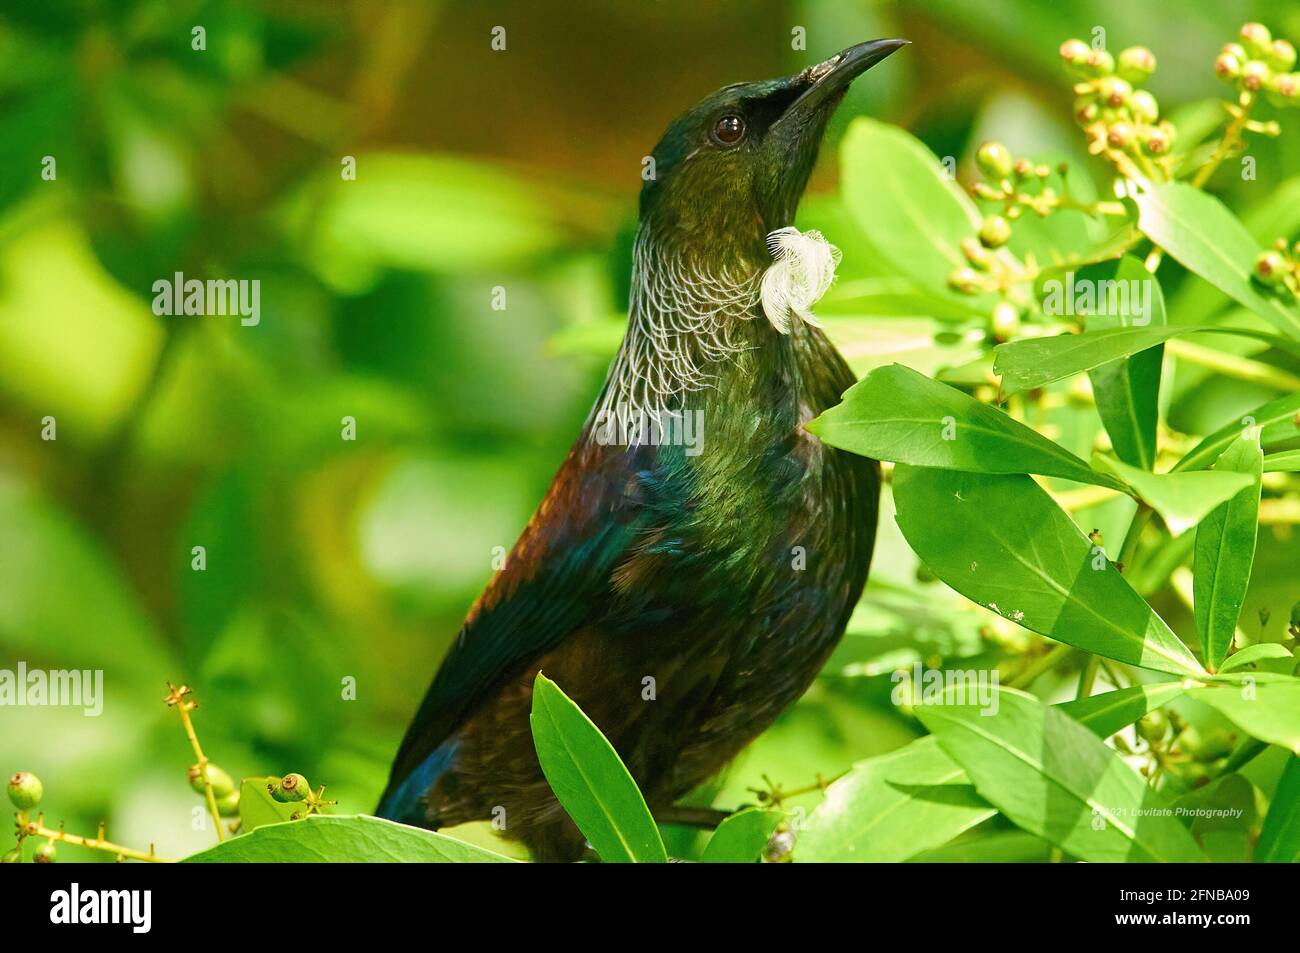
404 799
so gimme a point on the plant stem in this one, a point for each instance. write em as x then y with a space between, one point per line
1043 663
704 817
177 697
1233 365
1231 136
1243 754
38 829
1128 550
1088 677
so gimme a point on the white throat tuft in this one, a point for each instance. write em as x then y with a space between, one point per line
804 268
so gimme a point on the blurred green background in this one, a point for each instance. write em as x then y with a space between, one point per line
476 169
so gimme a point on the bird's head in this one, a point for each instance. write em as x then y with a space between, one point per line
733 167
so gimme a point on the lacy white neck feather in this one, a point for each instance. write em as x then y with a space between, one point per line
682 318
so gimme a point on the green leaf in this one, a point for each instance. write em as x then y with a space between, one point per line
1224 830
344 840
1260 652
257 808
1053 777
1264 705
1206 238
1279 839
1003 542
1108 712
590 780
1181 499
906 205
995 847
740 839
1225 552
896 414
1127 390
1276 421
892 807
1286 462
1037 362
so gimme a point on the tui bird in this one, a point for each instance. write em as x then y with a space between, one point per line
683 593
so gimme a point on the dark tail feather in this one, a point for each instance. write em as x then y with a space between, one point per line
404 801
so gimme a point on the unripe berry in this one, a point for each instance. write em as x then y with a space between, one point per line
25 790
1136 64
1005 321
1286 88
1256 38
1227 66
1121 135
1253 74
228 806
45 854
1144 106
1153 726
1114 92
1281 55
1074 52
222 785
291 787
994 160
1270 268
1099 63
1154 141
995 232
964 280
976 254
1023 168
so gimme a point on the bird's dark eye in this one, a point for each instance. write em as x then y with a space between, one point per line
729 130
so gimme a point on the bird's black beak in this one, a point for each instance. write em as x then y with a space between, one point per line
824 84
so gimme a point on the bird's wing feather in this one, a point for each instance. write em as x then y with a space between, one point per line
554 580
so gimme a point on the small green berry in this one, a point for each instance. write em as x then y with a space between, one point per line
1114 92
222 785
964 280
976 254
45 854
1121 135
25 790
1086 109
1285 88
1136 64
1144 106
1254 74
1154 140
1074 52
1005 321
1227 67
994 160
228 806
1256 38
291 787
1270 268
1281 55
995 232
1153 726
1099 63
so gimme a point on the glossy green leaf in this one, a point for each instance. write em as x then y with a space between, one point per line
1200 232
1276 421
1181 499
896 414
1127 390
1108 712
590 780
1225 552
740 839
906 205
892 807
1264 705
1279 839
344 840
1053 777
1003 542
1288 461
1251 654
